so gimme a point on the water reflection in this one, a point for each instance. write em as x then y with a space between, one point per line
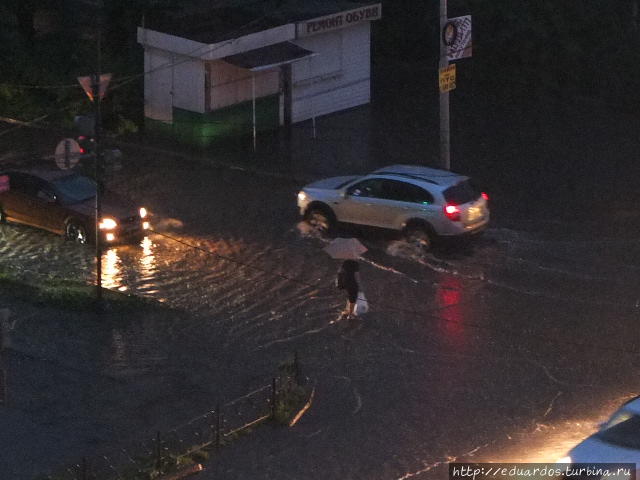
448 299
119 350
111 270
549 443
122 265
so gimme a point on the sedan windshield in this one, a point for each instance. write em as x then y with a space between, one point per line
624 433
75 188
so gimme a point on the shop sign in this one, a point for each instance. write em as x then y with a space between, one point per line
447 78
339 20
456 35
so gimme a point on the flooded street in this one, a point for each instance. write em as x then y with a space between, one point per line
472 351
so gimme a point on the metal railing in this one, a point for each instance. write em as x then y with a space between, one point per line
161 452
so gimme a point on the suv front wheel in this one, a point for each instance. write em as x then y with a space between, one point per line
76 233
419 236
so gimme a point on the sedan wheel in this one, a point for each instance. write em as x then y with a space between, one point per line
76 233
419 237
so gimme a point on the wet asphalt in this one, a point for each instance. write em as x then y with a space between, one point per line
509 348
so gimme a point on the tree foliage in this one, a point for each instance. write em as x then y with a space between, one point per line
541 47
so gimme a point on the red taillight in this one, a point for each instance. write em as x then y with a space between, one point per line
81 150
485 196
452 212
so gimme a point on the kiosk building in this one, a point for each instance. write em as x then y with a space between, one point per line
223 71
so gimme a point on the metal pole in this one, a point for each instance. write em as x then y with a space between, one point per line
445 145
218 426
3 372
273 398
296 368
98 174
253 100
158 452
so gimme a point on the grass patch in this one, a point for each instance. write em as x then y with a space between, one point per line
67 294
293 394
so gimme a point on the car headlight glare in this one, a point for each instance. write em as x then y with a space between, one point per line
566 459
143 212
302 196
108 224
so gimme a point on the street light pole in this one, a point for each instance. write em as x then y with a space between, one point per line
98 166
445 142
98 175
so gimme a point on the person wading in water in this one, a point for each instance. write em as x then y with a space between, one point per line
348 280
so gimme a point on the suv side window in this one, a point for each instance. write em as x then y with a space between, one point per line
420 195
405 192
367 188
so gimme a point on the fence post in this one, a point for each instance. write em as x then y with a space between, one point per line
158 452
218 426
273 397
4 319
296 368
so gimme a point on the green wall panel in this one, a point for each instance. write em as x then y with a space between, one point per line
203 129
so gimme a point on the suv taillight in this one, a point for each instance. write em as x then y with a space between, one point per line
485 196
452 212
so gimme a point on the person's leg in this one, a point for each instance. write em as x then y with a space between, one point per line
351 303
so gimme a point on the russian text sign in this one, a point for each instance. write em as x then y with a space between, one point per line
339 20
447 78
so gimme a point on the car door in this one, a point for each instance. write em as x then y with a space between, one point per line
16 201
48 212
362 203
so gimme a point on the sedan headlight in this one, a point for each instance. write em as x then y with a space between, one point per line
108 224
143 212
302 196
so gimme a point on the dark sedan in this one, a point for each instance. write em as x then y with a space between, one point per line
64 202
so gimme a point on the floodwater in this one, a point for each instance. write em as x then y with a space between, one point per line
472 351
509 348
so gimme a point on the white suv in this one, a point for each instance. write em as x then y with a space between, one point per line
422 202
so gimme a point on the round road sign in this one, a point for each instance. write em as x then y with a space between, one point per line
67 154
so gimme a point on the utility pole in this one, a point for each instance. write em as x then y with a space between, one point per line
98 175
98 166
445 142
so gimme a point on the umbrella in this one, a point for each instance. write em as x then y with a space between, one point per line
345 248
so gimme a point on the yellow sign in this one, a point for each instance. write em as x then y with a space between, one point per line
447 78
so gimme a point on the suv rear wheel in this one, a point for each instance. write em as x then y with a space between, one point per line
319 220
418 235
